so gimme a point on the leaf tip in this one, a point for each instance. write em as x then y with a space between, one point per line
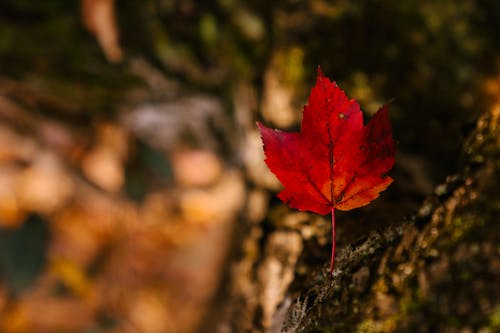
261 127
320 72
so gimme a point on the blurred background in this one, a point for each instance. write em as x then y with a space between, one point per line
131 168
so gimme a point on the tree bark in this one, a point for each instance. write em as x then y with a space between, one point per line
432 272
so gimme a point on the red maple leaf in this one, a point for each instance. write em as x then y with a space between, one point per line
334 162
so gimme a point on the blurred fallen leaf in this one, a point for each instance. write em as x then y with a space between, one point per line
114 137
72 276
103 165
14 146
156 208
196 167
148 313
11 214
79 232
55 134
44 186
99 17
104 168
217 204
43 314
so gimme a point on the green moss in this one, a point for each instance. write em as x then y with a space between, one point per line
494 318
368 326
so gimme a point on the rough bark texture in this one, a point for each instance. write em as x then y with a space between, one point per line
433 272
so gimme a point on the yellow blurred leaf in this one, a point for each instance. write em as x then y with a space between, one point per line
72 277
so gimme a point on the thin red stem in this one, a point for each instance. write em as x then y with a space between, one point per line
332 262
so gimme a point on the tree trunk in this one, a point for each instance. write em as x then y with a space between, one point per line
433 272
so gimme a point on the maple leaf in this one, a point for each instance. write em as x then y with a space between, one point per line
334 162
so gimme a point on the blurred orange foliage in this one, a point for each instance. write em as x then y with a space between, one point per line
99 18
112 263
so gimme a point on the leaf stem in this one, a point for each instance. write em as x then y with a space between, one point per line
332 262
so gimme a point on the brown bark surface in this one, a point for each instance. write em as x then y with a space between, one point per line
433 272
